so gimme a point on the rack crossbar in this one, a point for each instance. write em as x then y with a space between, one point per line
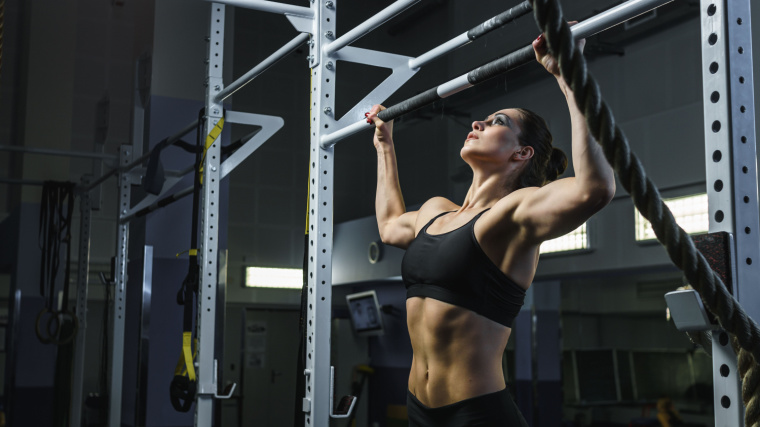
12 181
261 67
474 33
269 6
52 152
587 28
367 26
166 201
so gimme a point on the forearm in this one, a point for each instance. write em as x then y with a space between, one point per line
389 203
592 171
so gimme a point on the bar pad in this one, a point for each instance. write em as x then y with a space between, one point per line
501 65
500 20
409 105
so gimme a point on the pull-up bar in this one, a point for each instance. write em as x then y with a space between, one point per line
476 32
367 26
263 66
53 152
169 141
587 28
270 6
12 181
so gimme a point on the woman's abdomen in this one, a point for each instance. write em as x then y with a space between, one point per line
457 353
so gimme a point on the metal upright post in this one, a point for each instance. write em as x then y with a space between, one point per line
731 174
316 403
207 251
117 312
85 209
744 156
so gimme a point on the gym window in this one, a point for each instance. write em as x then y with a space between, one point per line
283 278
690 213
572 241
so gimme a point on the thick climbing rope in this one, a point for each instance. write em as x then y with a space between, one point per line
750 374
646 198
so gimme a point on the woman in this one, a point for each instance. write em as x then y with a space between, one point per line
467 266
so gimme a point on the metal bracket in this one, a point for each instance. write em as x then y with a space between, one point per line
342 414
688 312
315 43
269 126
215 386
302 24
149 199
400 74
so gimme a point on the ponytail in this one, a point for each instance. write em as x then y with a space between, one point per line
547 162
557 164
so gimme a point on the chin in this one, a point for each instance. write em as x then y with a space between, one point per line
464 152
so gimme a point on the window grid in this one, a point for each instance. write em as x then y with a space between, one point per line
690 213
573 241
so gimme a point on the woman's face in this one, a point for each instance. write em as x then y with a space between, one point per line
494 139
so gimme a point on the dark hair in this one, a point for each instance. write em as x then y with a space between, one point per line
547 162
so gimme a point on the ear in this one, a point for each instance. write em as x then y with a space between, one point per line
525 153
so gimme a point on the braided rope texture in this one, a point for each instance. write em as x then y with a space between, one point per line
646 198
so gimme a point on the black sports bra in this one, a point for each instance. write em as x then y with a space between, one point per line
452 267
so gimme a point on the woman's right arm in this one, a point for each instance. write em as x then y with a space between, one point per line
395 224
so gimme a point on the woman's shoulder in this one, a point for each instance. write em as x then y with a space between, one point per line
439 204
432 208
509 203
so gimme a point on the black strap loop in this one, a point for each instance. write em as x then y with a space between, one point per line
182 393
56 213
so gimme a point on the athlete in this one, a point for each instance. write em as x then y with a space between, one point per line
467 266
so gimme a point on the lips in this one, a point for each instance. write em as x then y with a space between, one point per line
472 135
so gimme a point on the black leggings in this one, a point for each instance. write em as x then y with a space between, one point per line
489 410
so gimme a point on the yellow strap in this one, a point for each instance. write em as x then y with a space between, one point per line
185 362
210 138
215 132
191 252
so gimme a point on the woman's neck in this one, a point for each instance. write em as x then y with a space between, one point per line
487 189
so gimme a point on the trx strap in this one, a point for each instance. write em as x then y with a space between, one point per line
56 211
183 387
210 138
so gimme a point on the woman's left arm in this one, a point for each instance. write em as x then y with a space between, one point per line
561 206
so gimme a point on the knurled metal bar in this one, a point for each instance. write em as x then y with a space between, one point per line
587 28
474 33
644 193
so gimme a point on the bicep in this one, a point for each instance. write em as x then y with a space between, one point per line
557 209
